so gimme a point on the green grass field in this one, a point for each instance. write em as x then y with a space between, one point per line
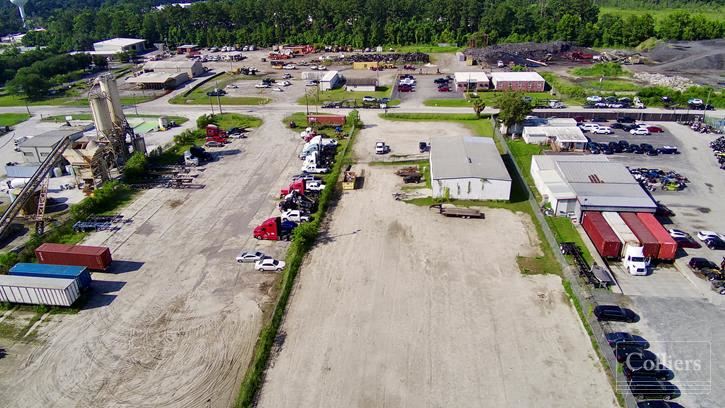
611 85
489 98
12 119
230 120
340 94
716 13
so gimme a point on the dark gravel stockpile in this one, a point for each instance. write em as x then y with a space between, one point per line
519 51
690 55
391 57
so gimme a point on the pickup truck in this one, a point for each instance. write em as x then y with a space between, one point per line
381 148
295 215
462 212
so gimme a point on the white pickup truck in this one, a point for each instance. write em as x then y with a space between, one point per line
295 216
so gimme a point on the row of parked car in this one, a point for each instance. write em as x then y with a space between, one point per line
623 146
642 129
612 102
647 378
406 83
718 148
444 83
706 269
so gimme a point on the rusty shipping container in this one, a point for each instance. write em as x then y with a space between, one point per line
668 246
650 244
601 234
92 257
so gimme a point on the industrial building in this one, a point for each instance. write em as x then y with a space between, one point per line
573 184
518 81
159 80
361 84
471 81
330 80
116 45
561 138
37 148
192 68
467 167
187 49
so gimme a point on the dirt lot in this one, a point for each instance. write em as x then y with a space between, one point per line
393 308
175 323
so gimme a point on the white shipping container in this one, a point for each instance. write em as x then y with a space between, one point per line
38 291
623 232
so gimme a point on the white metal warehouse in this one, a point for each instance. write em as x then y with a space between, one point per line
469 168
573 184
116 45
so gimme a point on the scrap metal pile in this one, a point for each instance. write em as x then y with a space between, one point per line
390 57
652 179
519 53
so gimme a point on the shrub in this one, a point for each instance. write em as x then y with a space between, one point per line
135 167
204 120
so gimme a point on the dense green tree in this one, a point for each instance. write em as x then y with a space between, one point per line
29 83
512 108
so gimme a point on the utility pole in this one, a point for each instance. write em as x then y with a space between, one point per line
219 101
211 104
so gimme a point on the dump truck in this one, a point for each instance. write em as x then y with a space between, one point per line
462 212
274 229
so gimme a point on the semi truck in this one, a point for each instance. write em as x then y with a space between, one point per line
215 134
462 212
274 229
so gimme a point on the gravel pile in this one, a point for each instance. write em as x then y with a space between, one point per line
535 51
392 57
676 82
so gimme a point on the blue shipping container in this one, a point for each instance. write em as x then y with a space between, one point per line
53 271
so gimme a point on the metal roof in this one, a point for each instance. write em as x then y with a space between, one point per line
596 173
562 134
549 161
470 76
33 282
49 139
156 77
361 82
466 157
516 76
186 64
612 195
120 42
329 76
561 122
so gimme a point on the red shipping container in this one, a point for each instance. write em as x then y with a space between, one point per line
668 246
601 234
92 257
336 120
650 243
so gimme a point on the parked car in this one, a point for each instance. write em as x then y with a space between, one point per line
654 371
657 404
588 126
715 243
369 99
277 89
603 130
289 66
704 235
639 131
248 257
594 98
262 85
614 313
643 387
718 286
695 101
655 129
599 119
626 119
686 242
634 354
269 264
620 338
444 88
616 125
213 143
698 263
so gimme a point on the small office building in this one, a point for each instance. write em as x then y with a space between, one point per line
518 81
471 81
467 167
159 80
330 80
361 84
36 149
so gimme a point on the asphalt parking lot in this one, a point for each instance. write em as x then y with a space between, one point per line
426 89
679 313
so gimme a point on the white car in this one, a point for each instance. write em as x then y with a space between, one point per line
247 257
313 67
589 126
643 125
310 83
695 101
603 130
369 99
289 66
269 264
703 235
639 131
286 83
314 186
287 76
277 89
675 233
594 98
262 85
295 216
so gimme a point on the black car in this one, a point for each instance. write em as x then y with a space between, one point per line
715 243
599 119
698 263
626 119
623 143
646 147
684 242
625 338
635 356
657 404
616 125
653 152
614 313
648 388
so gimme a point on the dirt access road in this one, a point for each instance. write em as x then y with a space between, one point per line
179 330
398 306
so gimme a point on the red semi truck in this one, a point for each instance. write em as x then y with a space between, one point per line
601 234
650 244
215 134
92 257
274 229
297 185
668 246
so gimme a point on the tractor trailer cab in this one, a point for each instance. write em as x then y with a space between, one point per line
274 229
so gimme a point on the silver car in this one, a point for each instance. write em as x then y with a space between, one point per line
249 257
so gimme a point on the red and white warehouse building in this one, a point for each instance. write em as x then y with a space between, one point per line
518 81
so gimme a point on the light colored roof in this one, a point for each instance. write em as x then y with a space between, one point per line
170 64
595 173
612 195
556 185
50 139
361 81
329 76
549 161
466 157
562 134
119 42
561 122
155 77
477 76
516 76
34 282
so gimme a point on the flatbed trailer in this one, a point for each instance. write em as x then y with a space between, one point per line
461 212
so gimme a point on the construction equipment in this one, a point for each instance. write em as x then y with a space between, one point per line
40 212
33 183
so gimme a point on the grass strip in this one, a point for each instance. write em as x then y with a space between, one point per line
303 240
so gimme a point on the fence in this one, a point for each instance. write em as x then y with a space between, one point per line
683 116
580 292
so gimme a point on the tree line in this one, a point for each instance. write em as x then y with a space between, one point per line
35 80
366 23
